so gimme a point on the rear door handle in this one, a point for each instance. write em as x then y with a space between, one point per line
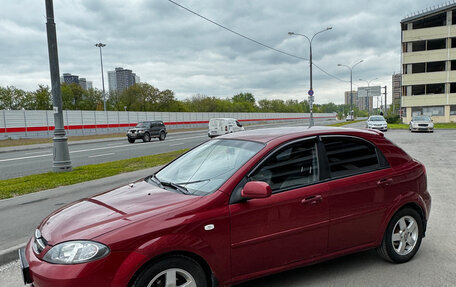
385 181
311 200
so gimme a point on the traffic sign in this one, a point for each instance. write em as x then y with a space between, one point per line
310 92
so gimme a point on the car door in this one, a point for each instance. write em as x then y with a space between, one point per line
289 226
358 176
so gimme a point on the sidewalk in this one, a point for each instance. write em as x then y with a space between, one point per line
21 215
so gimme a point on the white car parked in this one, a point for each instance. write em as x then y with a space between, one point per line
377 122
221 126
421 123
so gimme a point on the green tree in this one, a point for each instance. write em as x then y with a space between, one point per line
42 98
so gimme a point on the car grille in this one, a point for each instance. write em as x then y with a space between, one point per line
422 125
39 243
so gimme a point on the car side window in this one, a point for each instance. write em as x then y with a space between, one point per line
290 167
348 156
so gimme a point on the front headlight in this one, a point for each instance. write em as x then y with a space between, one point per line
74 252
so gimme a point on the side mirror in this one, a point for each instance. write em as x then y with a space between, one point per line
256 189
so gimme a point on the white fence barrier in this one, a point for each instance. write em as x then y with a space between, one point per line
32 124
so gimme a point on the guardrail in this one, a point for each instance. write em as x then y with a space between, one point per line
33 124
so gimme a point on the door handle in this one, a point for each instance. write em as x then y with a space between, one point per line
385 181
311 200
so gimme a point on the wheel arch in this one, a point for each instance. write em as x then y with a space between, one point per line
212 281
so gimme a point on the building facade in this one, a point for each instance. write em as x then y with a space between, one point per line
396 93
70 79
121 79
429 64
354 101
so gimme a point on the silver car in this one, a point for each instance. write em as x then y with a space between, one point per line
421 123
377 122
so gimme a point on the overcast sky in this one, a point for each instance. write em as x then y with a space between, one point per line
170 48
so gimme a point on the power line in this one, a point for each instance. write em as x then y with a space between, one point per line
253 40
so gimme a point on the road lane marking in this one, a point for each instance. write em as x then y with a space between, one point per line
105 154
99 148
35 152
176 144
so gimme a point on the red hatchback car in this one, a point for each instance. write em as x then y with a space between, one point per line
238 207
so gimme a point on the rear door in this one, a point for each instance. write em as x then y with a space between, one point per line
289 226
357 202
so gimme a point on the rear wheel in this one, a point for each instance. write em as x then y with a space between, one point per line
146 138
402 238
130 140
176 271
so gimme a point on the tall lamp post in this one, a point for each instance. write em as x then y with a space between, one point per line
61 160
351 82
101 45
311 92
368 85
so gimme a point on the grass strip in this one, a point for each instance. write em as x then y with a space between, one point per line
436 126
345 123
33 183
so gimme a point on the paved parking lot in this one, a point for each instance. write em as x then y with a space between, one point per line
435 263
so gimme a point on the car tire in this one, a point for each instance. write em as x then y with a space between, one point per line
183 271
162 136
146 138
402 237
130 140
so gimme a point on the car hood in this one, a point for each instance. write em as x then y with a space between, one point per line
94 216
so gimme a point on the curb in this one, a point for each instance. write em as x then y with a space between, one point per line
10 254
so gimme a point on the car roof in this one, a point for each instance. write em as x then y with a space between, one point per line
287 133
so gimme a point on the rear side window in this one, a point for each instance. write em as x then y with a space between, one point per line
290 167
348 156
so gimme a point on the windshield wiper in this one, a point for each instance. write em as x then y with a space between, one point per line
191 182
175 186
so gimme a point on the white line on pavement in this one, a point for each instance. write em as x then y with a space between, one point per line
105 154
99 148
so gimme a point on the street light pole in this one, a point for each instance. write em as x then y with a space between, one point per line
61 160
311 97
351 82
101 45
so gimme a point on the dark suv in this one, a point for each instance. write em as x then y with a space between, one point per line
146 131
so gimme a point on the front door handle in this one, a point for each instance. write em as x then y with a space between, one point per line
311 200
385 181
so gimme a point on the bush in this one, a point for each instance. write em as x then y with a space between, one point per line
393 119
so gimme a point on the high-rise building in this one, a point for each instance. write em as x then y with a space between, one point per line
121 79
354 101
83 83
429 64
397 87
70 79
112 81
89 85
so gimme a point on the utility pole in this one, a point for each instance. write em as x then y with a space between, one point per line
61 160
310 92
101 45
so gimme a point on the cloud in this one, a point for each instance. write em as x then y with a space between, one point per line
171 48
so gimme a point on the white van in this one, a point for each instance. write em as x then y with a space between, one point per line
221 126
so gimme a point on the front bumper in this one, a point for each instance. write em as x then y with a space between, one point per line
116 269
135 135
382 128
423 129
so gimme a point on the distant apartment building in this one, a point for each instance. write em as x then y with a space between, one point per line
397 87
70 79
349 101
121 79
429 64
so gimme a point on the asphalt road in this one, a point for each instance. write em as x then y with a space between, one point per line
434 265
39 160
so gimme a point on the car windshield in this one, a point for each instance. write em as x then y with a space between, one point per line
377 119
422 118
141 125
204 169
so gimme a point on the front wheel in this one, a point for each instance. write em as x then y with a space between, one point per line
402 238
146 138
130 140
162 136
173 271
